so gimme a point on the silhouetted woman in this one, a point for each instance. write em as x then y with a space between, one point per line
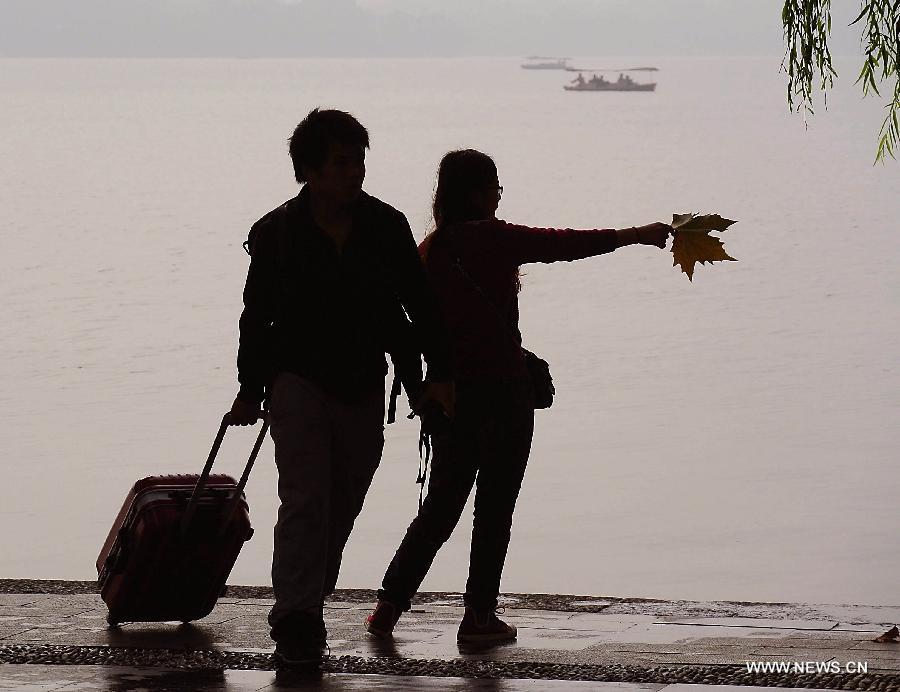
473 259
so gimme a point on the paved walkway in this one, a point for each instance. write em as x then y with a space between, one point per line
564 643
37 678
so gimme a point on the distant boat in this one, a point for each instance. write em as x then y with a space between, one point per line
537 62
612 69
595 83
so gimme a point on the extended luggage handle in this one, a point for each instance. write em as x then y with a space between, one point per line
204 475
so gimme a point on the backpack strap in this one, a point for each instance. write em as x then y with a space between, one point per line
278 215
392 402
424 458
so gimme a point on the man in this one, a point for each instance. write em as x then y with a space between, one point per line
333 275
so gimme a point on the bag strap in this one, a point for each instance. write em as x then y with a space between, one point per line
392 402
513 335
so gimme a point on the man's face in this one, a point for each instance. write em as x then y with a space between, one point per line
340 177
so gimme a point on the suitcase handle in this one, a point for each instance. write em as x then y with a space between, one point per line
204 476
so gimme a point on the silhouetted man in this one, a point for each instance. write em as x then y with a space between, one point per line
333 275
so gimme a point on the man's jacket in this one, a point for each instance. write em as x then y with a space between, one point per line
330 317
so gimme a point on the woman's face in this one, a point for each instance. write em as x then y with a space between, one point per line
487 199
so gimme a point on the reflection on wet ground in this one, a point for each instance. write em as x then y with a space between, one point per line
35 678
183 636
39 678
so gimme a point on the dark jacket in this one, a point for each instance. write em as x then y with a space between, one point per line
330 317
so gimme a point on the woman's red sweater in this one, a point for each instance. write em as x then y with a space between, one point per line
484 324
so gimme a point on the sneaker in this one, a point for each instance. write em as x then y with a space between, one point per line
484 627
381 622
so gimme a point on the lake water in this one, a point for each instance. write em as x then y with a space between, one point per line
732 438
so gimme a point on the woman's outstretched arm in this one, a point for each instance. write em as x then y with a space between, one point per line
526 244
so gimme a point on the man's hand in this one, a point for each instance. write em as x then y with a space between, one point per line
243 413
442 393
654 234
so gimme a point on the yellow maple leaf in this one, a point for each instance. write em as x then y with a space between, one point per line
689 247
701 223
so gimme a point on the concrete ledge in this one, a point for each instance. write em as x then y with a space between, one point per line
556 602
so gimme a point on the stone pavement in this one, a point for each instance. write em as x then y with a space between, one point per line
565 642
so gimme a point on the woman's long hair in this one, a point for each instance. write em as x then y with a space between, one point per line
461 175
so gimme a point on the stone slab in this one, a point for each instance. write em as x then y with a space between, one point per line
864 614
666 633
685 687
36 678
754 623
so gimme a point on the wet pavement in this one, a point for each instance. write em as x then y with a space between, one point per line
60 640
30 678
83 678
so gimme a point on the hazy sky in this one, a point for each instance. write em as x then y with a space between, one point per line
400 27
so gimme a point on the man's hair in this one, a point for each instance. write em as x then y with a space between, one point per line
317 132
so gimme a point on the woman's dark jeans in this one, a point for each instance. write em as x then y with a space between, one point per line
486 445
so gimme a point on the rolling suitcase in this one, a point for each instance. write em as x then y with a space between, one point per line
172 546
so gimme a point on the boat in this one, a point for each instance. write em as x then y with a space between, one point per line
538 62
600 83
617 69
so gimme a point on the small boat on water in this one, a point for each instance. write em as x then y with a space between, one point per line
537 62
600 83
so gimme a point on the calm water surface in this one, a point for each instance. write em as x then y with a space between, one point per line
735 437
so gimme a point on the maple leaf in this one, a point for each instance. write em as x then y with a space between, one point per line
689 248
892 635
701 223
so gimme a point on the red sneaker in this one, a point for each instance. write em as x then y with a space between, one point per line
381 622
484 627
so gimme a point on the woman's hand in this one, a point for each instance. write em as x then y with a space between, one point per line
654 234
442 393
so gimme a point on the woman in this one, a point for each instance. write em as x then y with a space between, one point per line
473 259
